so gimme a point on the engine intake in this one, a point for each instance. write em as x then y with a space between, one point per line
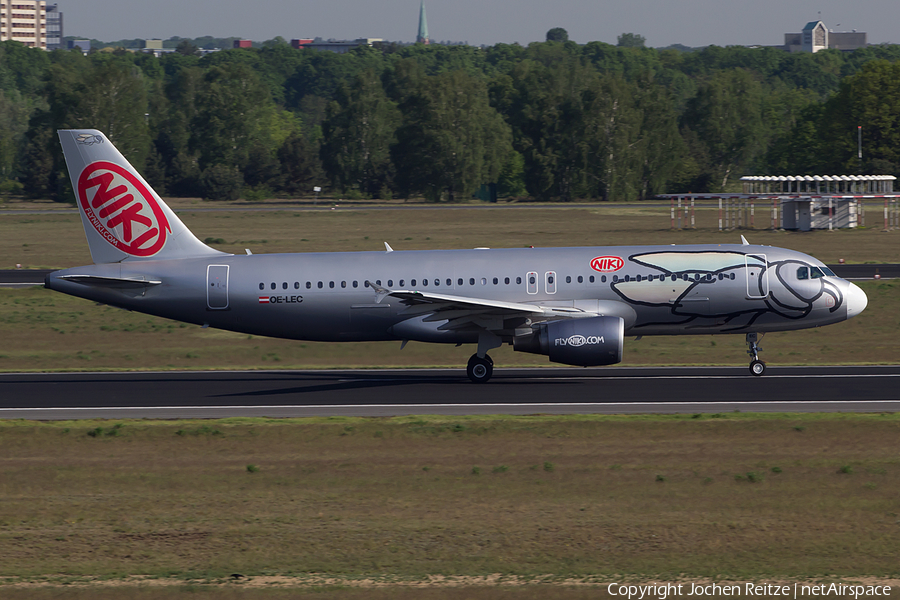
588 342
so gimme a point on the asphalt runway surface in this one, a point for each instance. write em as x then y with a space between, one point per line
218 394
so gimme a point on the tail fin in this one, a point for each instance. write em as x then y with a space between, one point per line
123 218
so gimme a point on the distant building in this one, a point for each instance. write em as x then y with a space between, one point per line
54 28
301 43
83 45
815 36
155 47
243 44
341 47
25 21
422 36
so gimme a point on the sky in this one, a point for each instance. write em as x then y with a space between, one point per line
661 22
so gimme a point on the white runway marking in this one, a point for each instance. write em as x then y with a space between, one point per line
498 405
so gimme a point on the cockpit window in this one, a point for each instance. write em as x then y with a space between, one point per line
803 273
816 272
828 271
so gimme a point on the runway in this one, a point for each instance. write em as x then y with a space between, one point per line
218 394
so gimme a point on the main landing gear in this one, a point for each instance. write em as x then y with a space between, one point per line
757 367
480 369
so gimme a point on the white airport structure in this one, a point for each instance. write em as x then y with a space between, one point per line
796 202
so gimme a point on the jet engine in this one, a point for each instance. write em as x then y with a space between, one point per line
587 342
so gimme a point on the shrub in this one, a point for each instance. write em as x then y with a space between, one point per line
252 469
476 470
548 466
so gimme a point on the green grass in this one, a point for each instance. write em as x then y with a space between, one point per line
57 241
666 497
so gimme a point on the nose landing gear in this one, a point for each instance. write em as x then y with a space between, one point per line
757 367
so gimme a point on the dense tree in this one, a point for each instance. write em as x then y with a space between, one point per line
631 40
451 140
358 134
726 117
552 120
557 34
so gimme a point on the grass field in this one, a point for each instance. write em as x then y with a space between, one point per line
57 241
594 499
43 330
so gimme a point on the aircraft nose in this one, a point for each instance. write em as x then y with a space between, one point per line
856 300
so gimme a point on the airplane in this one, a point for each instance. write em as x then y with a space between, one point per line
574 305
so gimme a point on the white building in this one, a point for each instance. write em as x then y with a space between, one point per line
24 21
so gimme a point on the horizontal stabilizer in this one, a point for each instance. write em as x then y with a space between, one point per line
111 282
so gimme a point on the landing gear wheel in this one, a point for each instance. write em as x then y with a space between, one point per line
757 367
479 369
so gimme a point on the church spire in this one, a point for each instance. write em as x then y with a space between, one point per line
422 38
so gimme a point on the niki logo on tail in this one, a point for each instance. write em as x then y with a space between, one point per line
122 210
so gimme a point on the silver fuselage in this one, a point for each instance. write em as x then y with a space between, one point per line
658 290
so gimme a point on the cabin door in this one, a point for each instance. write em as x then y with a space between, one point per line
217 287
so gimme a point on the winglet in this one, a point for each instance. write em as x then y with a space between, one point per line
387 247
744 241
380 292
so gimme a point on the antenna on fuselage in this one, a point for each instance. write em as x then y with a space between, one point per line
744 241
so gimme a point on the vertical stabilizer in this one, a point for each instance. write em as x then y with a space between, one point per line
123 218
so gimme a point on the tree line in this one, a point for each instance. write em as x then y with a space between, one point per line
551 121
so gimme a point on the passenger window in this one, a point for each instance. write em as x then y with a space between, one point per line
273 285
355 284
591 279
320 285
296 285
343 284
390 283
484 281
262 286
615 278
471 281
401 283
366 284
603 279
331 284
506 280
284 285
550 282
496 281
518 281
732 276
459 281
438 282
424 283
308 284
580 279
568 279
377 282
802 273
449 282
412 282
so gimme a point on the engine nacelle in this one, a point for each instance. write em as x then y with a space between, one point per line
588 342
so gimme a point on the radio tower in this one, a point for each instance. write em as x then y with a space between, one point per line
422 37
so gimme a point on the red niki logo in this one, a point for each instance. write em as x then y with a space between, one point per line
607 264
122 209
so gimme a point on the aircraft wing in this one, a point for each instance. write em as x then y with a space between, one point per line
463 311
